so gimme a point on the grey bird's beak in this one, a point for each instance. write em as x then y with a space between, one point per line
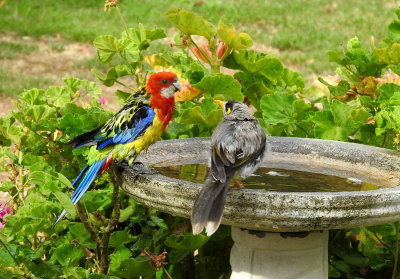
177 85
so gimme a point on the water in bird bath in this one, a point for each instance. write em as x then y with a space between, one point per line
275 179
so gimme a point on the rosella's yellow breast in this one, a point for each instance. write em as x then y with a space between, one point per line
150 136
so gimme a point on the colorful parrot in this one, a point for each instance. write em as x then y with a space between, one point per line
134 128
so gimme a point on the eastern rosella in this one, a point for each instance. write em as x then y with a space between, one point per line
237 147
134 128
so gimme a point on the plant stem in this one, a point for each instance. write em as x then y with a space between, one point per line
396 255
215 69
167 273
301 128
123 21
85 221
104 261
20 176
123 84
8 251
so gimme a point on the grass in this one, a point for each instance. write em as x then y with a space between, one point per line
300 31
11 83
303 31
10 50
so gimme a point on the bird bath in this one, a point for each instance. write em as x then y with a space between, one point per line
280 250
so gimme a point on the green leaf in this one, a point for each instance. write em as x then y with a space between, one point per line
325 127
98 199
342 88
271 68
34 96
79 233
176 256
122 96
130 51
66 203
205 117
138 36
284 110
187 242
253 62
126 212
122 253
155 34
293 80
394 27
338 121
389 55
68 254
119 238
113 74
386 91
6 259
107 46
337 57
59 96
333 272
220 84
190 24
40 112
45 269
6 185
133 268
228 34
384 230
159 222
64 180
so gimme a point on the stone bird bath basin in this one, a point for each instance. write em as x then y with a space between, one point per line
274 254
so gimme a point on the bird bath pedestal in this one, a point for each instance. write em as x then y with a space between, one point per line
280 235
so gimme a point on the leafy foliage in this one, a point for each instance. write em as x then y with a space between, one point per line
117 237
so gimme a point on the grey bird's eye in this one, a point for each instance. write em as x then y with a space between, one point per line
164 81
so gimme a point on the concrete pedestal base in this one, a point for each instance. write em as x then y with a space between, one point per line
275 257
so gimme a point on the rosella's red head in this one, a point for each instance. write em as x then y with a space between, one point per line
163 84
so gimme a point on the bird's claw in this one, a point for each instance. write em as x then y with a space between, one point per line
140 168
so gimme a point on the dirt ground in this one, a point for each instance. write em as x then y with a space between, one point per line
53 64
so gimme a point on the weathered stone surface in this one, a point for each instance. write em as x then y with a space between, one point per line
278 211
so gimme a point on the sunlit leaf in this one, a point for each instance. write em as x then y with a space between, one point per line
191 24
228 34
220 84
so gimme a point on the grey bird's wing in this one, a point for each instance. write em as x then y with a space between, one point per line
235 144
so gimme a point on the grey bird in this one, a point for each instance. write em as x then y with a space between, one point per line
237 148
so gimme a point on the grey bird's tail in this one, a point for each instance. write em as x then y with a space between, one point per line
209 205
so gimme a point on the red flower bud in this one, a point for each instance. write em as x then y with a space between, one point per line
199 54
221 49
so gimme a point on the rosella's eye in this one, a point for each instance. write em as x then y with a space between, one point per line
164 81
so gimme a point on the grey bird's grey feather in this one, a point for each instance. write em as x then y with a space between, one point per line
237 148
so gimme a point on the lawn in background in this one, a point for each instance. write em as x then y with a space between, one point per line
299 31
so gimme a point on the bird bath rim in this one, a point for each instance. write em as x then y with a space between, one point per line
279 211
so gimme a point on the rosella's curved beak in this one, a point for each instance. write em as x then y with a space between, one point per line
177 85
220 103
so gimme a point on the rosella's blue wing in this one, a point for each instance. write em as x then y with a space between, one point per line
125 127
